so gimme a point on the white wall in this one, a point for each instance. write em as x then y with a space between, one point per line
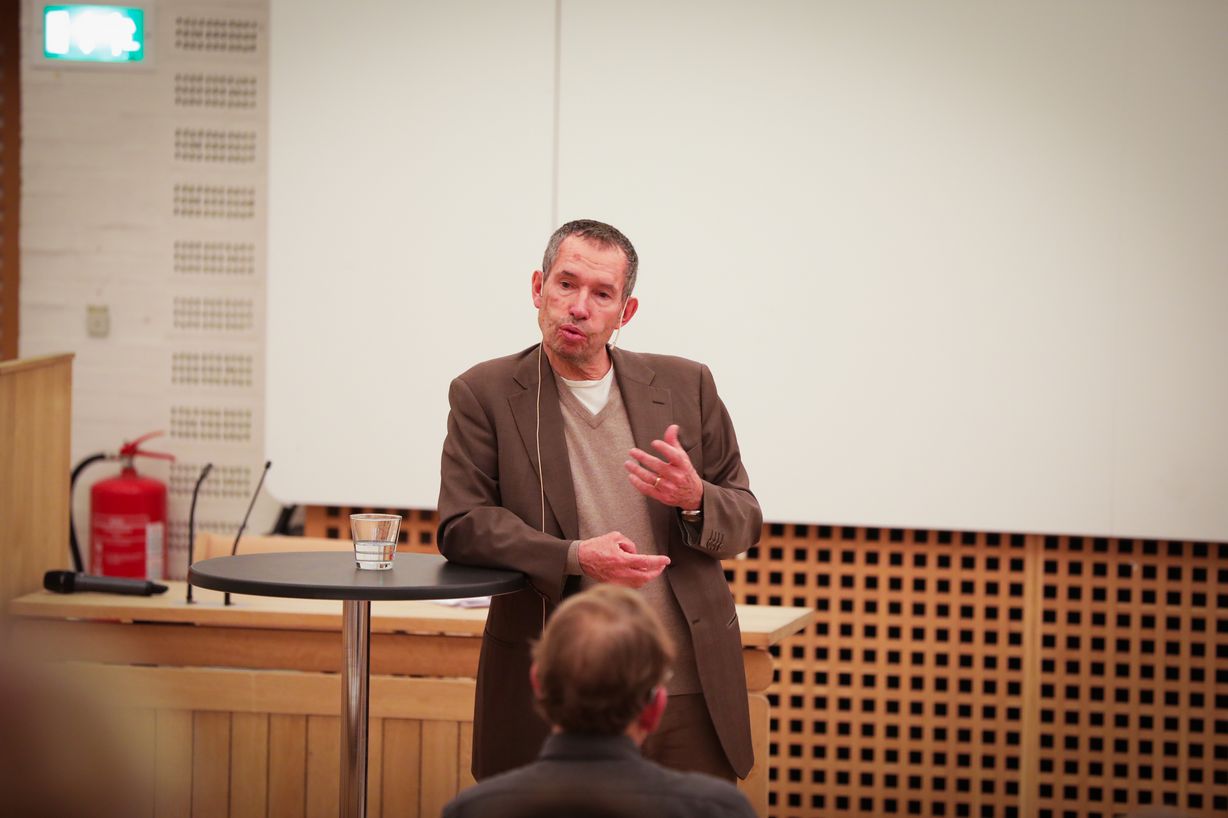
954 265
413 179
144 192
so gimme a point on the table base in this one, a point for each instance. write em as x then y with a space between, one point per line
355 676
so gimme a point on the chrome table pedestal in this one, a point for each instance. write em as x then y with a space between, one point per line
334 575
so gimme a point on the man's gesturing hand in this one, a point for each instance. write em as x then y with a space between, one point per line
612 558
670 478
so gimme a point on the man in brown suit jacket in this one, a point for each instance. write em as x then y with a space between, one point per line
689 502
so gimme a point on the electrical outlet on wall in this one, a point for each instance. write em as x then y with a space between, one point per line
97 320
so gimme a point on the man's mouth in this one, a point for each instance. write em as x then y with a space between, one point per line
572 332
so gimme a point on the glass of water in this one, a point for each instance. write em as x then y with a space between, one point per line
375 540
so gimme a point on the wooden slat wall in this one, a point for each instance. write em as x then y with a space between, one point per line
214 743
209 763
982 674
35 433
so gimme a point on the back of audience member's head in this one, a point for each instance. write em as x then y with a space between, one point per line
600 660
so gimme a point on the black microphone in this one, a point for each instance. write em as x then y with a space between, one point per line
68 582
192 523
234 549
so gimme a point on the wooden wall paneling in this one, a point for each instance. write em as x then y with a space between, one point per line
158 644
1134 677
287 765
984 674
315 694
1031 686
249 765
440 765
375 767
224 741
333 522
323 765
210 764
35 435
466 754
173 764
140 733
402 781
907 695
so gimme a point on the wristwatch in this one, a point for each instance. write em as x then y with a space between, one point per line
692 515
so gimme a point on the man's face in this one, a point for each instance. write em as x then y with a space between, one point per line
579 305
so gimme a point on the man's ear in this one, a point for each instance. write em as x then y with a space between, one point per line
538 280
629 309
650 717
537 687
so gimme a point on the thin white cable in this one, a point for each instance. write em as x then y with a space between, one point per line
541 480
537 434
619 329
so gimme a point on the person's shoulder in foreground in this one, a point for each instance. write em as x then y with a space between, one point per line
580 776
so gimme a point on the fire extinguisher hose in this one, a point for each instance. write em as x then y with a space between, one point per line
78 565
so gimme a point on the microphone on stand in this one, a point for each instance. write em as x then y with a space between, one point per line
234 549
192 523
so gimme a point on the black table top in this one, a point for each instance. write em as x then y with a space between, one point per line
333 575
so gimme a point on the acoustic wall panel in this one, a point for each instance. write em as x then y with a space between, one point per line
982 674
145 208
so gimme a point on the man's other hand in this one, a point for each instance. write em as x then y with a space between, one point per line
670 478
612 558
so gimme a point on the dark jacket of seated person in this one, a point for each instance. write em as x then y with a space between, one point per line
599 674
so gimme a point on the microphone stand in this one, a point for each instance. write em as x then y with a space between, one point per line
192 524
234 549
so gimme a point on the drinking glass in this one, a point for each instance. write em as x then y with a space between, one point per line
375 540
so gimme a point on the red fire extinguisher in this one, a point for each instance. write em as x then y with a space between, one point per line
128 519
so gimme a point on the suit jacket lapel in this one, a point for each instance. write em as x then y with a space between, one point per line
649 411
556 477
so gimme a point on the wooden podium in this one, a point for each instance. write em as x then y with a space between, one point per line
236 708
233 710
35 432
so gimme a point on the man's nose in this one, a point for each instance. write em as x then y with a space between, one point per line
579 307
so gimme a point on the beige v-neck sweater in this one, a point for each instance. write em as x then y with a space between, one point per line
597 446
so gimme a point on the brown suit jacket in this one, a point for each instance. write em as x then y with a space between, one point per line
490 514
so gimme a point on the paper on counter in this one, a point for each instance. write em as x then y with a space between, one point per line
466 602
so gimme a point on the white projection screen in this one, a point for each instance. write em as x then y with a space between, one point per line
954 265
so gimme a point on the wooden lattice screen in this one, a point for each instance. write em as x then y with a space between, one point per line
983 675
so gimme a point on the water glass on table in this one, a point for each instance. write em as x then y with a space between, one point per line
375 540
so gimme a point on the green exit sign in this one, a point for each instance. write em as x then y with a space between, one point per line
94 33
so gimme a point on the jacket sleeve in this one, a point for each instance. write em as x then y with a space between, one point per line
474 527
732 519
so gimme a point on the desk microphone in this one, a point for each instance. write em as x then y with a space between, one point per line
68 582
192 523
234 549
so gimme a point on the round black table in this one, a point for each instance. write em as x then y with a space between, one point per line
334 575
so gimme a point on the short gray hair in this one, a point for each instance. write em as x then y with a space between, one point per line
601 234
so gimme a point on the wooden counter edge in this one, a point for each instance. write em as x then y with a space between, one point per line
762 626
22 364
